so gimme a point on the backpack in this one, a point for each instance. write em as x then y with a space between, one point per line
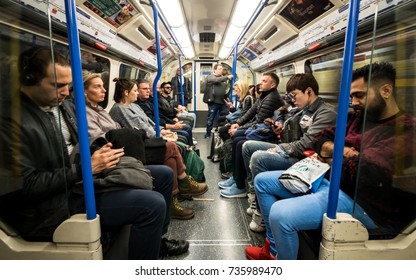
226 156
194 165
216 144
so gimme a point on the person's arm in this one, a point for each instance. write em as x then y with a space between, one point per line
322 119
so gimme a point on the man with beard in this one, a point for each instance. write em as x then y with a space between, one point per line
378 146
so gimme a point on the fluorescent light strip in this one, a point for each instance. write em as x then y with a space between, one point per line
243 12
171 11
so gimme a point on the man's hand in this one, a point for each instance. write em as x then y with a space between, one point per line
234 126
105 158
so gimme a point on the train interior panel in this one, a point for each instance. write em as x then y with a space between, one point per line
154 43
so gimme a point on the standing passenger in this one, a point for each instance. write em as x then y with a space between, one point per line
218 82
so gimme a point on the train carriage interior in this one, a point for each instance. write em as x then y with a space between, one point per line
120 38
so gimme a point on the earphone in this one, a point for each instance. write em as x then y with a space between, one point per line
30 74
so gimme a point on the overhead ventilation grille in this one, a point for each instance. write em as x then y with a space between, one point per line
207 27
270 33
207 37
145 33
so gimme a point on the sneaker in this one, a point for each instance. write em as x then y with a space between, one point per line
227 183
250 197
257 222
233 192
194 143
207 135
226 175
250 210
260 253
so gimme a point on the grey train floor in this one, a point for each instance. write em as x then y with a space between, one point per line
220 228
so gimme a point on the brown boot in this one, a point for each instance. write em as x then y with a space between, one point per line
188 187
179 212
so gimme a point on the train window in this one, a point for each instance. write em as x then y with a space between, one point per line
387 191
97 64
130 72
284 74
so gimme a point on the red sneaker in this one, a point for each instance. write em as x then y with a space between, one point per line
259 253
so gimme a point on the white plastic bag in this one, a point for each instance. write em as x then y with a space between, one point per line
300 177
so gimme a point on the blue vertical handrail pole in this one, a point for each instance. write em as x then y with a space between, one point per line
159 69
181 80
234 72
343 102
84 143
194 86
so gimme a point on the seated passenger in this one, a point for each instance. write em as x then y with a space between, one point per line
100 122
270 100
145 101
170 108
286 213
40 198
245 102
315 116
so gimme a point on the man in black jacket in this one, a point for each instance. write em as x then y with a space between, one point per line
38 138
186 88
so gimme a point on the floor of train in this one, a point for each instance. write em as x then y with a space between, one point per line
220 229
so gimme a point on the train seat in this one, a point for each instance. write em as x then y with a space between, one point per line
346 238
76 238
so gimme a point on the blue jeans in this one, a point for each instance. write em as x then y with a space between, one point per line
213 110
187 132
257 159
286 213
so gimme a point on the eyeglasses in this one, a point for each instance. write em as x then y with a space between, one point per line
145 88
167 87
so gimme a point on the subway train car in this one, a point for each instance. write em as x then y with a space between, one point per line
179 44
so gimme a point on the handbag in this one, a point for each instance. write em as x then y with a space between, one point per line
305 175
209 94
128 173
155 150
233 116
260 132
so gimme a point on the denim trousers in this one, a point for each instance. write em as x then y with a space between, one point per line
147 211
257 159
214 109
286 213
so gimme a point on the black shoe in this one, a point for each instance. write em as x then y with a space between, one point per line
207 136
173 247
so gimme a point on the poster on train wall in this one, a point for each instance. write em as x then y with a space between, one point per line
248 54
257 47
301 12
115 12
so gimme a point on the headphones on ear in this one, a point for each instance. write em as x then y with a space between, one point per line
30 72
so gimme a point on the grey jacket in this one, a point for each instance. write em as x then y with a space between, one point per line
220 87
316 117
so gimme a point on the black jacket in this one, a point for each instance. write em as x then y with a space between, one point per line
264 108
38 175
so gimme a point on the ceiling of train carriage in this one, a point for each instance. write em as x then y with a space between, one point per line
208 21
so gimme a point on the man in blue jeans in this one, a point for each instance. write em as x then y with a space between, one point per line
285 213
218 82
